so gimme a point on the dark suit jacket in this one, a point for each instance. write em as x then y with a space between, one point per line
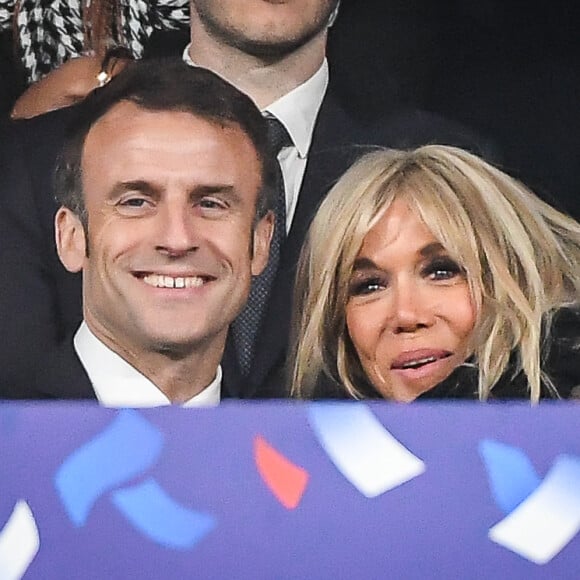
40 303
338 140
61 375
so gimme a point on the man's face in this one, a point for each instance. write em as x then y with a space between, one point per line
264 28
171 201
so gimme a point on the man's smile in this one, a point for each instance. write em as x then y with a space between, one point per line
164 281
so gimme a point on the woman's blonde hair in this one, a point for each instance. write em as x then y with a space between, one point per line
520 255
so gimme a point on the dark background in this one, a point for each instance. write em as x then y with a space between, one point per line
509 69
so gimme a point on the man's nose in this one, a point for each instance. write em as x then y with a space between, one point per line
411 308
178 231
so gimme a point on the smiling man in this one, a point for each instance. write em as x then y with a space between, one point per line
164 188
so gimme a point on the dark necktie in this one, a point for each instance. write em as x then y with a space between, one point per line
246 325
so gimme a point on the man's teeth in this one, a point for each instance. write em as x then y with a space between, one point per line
169 282
417 363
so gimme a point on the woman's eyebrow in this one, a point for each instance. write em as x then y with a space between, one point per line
432 249
364 264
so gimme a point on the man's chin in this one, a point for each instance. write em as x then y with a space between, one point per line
275 49
178 347
174 350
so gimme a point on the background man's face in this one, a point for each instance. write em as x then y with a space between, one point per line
265 28
170 200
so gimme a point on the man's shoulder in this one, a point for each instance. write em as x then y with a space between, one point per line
402 126
61 375
29 152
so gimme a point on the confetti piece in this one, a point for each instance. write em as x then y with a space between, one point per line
286 480
361 448
151 511
19 543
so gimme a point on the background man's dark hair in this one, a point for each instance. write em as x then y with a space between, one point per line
165 85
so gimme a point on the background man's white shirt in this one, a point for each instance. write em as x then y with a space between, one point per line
297 111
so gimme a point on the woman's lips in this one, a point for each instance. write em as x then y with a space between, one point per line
418 358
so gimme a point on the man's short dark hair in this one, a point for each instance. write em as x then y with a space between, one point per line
165 85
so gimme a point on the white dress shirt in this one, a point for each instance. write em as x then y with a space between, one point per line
297 111
118 384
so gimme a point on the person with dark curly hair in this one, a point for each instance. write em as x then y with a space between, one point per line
67 48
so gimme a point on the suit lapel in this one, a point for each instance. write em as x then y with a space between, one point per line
232 385
63 376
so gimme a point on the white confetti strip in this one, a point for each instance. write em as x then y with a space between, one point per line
19 543
362 449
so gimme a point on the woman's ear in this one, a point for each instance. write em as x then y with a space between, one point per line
261 248
71 241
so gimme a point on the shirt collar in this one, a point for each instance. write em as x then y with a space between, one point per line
118 384
186 58
298 109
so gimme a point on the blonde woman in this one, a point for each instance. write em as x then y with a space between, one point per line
431 273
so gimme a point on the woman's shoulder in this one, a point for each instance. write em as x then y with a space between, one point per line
560 366
562 352
566 324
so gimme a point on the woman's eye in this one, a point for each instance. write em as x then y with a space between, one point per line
364 287
443 269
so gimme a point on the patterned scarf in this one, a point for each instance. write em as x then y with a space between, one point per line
49 32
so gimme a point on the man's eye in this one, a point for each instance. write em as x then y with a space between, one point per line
133 202
134 206
212 203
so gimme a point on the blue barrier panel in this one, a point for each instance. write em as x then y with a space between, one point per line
290 490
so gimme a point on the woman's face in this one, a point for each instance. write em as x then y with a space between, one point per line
409 314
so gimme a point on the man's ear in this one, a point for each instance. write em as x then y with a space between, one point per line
262 237
70 239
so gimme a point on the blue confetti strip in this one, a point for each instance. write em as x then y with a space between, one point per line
160 518
512 477
124 450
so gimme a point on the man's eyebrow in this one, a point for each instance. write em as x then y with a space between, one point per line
138 185
222 188
227 191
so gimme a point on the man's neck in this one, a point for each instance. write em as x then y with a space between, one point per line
179 380
265 81
180 376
